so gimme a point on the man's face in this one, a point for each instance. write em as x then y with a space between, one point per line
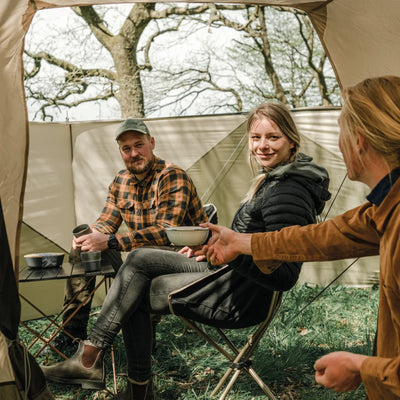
137 152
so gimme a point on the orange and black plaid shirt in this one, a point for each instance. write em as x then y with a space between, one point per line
166 197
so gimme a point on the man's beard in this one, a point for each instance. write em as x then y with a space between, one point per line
140 170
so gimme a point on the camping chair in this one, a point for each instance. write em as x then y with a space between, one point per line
239 359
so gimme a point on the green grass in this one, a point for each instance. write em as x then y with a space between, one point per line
186 368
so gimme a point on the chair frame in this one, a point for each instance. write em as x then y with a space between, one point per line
239 359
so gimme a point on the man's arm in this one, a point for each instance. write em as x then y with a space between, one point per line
175 195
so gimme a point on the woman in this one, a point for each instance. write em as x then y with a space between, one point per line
290 190
370 143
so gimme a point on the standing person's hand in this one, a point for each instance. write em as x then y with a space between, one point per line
225 244
339 371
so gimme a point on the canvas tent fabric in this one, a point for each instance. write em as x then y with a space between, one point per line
359 36
20 376
72 164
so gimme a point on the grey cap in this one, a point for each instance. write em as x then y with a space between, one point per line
131 124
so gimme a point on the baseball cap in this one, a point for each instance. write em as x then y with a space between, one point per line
132 124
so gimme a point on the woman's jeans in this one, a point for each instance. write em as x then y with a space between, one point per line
128 304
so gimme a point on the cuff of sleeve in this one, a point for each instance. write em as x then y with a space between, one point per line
258 245
378 371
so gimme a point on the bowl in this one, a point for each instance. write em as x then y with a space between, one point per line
44 260
187 235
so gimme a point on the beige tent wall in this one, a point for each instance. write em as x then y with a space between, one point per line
96 157
360 37
49 197
228 163
71 166
320 131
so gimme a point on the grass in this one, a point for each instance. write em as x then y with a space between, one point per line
186 368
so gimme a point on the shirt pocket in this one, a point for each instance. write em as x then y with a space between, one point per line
125 205
144 211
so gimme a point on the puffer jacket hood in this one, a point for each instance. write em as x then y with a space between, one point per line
313 176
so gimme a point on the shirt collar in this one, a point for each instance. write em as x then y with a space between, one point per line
379 192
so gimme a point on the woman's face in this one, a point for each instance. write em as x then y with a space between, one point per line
268 144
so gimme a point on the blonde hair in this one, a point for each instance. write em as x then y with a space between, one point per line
281 116
374 106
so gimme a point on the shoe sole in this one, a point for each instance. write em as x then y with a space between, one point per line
85 383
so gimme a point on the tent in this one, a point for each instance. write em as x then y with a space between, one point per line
360 38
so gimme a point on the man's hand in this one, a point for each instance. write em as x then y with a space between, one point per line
339 371
225 245
196 251
95 241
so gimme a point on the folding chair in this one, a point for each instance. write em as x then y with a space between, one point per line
239 359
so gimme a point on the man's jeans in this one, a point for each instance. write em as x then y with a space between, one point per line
128 303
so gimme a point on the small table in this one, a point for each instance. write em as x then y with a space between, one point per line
66 271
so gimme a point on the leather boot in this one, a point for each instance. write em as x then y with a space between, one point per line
72 371
137 391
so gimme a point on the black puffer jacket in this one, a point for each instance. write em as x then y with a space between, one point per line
238 295
291 194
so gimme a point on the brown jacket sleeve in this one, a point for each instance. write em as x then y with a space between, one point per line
380 377
352 234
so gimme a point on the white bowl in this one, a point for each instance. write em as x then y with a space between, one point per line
187 235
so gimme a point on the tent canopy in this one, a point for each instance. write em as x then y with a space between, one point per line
71 165
359 36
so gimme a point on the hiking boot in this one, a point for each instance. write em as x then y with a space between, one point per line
136 391
73 371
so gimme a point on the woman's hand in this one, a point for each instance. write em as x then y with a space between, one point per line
339 371
196 251
225 245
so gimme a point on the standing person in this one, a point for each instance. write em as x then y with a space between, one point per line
149 195
370 143
290 189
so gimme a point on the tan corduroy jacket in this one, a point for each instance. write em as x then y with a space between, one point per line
364 231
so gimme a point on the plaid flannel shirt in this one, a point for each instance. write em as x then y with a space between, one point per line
166 197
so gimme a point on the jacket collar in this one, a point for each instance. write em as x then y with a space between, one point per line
384 210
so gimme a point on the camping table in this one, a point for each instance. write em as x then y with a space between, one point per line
67 270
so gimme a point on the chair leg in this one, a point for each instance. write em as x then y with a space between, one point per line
239 360
261 383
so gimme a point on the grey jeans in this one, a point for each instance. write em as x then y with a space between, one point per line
131 300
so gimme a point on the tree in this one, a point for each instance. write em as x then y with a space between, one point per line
283 49
124 82
274 54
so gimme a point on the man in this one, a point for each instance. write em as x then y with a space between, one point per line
149 195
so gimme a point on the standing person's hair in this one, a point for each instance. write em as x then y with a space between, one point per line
374 106
281 116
